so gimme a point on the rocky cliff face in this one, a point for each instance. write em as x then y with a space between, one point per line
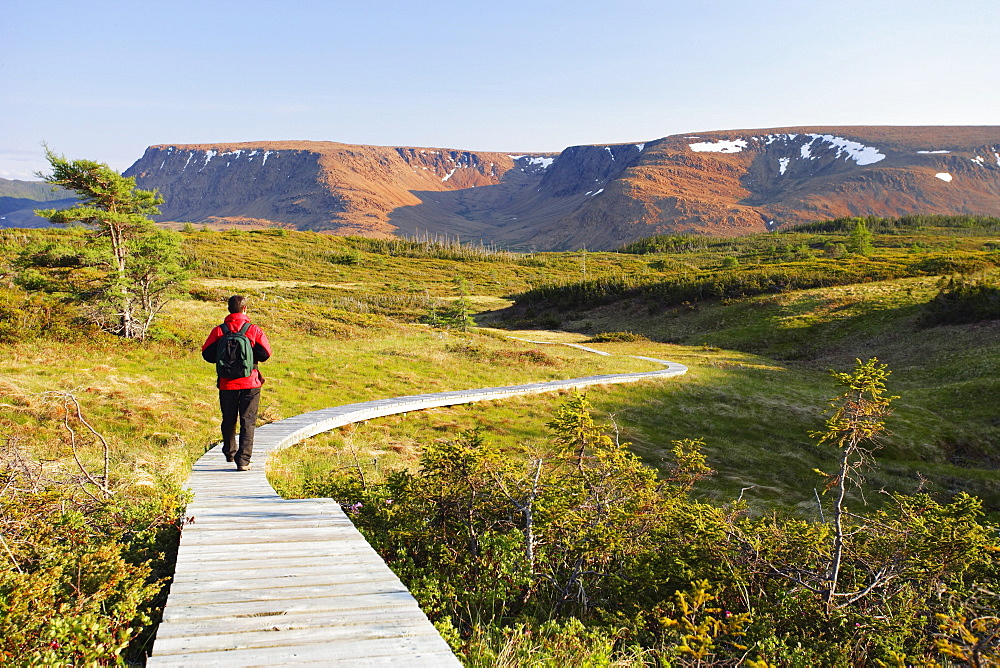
720 183
311 185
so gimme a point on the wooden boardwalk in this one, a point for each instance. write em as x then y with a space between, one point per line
263 581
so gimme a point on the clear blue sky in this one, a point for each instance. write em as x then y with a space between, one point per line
104 79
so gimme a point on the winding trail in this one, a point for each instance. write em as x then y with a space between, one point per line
261 580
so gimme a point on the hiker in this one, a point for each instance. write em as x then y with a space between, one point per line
235 347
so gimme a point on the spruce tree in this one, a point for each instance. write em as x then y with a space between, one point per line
860 241
141 264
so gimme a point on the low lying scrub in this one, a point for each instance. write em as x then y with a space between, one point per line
617 337
730 284
84 560
964 300
507 356
437 247
690 288
574 552
28 316
916 223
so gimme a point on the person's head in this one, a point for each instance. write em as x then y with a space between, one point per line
237 304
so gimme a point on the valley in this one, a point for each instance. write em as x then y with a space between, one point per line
770 315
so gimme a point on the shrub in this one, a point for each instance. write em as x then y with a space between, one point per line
205 294
722 284
616 337
27 317
504 356
545 551
962 301
441 248
668 243
76 586
350 257
953 263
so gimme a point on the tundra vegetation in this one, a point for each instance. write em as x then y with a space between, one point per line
686 522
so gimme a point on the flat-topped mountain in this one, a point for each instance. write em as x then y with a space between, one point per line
719 183
341 188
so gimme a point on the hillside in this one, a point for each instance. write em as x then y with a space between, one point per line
797 298
31 190
19 199
719 183
326 186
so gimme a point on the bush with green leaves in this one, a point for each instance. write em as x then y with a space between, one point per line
495 544
617 337
76 586
711 285
454 314
962 300
28 316
860 239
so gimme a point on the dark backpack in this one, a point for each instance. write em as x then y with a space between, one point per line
234 354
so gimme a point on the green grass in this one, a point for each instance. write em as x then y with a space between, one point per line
344 333
315 259
755 416
157 403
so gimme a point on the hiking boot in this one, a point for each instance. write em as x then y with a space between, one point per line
243 467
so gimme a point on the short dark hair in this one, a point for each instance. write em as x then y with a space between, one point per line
237 303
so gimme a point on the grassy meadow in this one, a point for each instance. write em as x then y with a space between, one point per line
344 318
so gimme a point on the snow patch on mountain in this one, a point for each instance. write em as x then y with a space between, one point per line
981 161
856 151
814 143
944 176
721 146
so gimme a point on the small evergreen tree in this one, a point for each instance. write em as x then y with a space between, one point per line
138 265
860 241
456 314
857 420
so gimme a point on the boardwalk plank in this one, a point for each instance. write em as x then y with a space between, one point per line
238 575
371 598
284 591
373 629
294 620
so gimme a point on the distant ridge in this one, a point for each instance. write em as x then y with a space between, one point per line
19 199
719 183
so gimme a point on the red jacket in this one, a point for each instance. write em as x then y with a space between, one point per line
261 351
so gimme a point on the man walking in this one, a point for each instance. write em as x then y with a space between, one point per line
235 347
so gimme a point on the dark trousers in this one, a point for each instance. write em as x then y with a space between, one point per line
239 405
